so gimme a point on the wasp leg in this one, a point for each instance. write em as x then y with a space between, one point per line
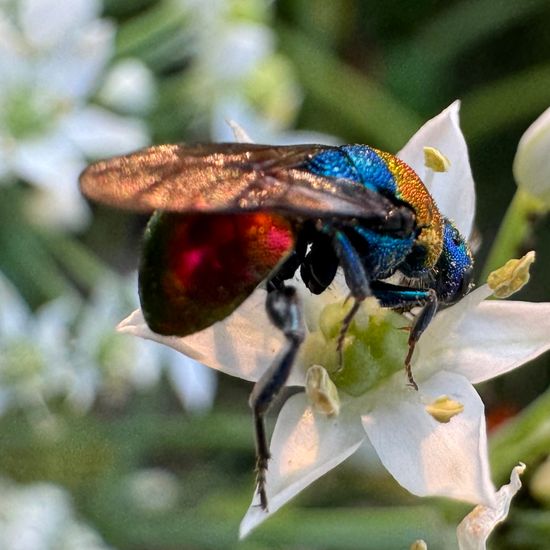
283 308
420 324
397 297
356 279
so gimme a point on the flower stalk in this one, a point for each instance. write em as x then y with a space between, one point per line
514 231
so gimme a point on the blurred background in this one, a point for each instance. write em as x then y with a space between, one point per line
110 442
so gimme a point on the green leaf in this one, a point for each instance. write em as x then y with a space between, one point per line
525 438
498 105
359 103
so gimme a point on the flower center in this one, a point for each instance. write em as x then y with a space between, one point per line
20 363
374 346
27 115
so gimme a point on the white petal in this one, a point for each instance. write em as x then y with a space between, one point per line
100 133
453 191
493 338
232 106
53 165
532 162
194 384
243 345
144 370
429 458
15 315
49 162
475 528
72 69
248 43
52 322
59 207
239 133
440 332
129 87
47 21
305 445
13 65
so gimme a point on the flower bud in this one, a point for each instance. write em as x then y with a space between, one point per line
540 483
532 161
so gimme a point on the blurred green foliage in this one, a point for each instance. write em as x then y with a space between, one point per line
370 72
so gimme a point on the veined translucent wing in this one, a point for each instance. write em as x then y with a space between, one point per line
229 177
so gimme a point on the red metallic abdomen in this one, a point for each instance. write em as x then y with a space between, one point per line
197 269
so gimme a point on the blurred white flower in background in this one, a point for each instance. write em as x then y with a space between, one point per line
237 74
69 350
41 517
532 160
35 364
152 490
53 55
117 366
129 87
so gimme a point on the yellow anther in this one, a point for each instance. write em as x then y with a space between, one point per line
511 277
419 545
321 391
444 408
436 160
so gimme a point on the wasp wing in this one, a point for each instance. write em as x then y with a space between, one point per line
228 177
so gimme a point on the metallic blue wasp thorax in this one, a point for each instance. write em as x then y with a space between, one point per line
359 163
381 252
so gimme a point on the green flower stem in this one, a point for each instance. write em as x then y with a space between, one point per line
22 258
513 232
157 36
353 102
527 528
526 438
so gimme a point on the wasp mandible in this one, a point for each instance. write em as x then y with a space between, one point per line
229 216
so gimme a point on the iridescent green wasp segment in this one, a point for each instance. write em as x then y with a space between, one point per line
232 216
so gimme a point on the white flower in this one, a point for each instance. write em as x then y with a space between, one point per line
114 366
41 516
153 489
52 56
68 350
532 161
255 84
475 528
472 341
35 364
129 87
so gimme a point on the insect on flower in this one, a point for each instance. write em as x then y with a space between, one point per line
229 216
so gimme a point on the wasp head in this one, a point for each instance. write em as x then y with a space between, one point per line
454 267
